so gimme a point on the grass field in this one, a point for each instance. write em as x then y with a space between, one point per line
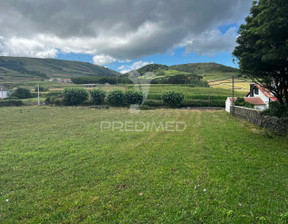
58 167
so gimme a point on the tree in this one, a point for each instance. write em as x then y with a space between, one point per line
22 93
262 50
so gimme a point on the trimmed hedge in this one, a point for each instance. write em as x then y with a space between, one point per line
173 99
203 103
133 97
116 98
75 96
97 96
154 103
10 103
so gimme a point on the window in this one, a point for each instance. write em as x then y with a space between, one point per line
256 91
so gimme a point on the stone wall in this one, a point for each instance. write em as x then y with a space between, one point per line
254 116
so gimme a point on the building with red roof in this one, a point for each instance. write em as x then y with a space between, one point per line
259 96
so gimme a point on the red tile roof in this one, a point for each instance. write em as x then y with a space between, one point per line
266 92
254 100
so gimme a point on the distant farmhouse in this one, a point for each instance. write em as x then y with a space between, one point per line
3 93
90 85
259 96
60 80
66 80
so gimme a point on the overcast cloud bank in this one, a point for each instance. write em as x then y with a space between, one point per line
117 30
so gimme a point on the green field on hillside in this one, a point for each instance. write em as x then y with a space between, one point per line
15 69
58 167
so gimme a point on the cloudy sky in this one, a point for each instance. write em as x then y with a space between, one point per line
122 34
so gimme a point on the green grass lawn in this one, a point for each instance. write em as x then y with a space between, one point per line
58 167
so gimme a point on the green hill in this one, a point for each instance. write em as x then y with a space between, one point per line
217 75
209 71
20 68
202 68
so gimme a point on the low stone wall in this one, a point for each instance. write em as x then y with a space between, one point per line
254 116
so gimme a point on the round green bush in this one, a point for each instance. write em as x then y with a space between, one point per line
98 96
133 97
116 98
22 93
173 99
241 102
75 96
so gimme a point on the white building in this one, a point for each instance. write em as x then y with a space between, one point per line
259 96
229 102
3 94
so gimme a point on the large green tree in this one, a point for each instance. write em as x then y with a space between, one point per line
262 50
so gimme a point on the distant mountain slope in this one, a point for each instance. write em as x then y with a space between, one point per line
217 75
200 68
13 68
203 69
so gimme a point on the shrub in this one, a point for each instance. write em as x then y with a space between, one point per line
133 97
55 99
276 109
75 96
203 103
41 89
22 93
98 96
242 103
116 98
154 103
7 103
173 99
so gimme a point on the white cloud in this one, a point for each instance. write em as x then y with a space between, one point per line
212 42
103 59
121 30
136 65
26 47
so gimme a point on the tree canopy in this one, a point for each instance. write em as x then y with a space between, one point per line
262 50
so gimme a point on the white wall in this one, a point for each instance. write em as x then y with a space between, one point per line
3 94
262 96
227 105
261 107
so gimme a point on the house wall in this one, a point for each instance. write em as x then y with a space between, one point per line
254 116
261 107
227 105
263 97
3 94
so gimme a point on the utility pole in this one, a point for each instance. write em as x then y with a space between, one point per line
233 94
38 95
